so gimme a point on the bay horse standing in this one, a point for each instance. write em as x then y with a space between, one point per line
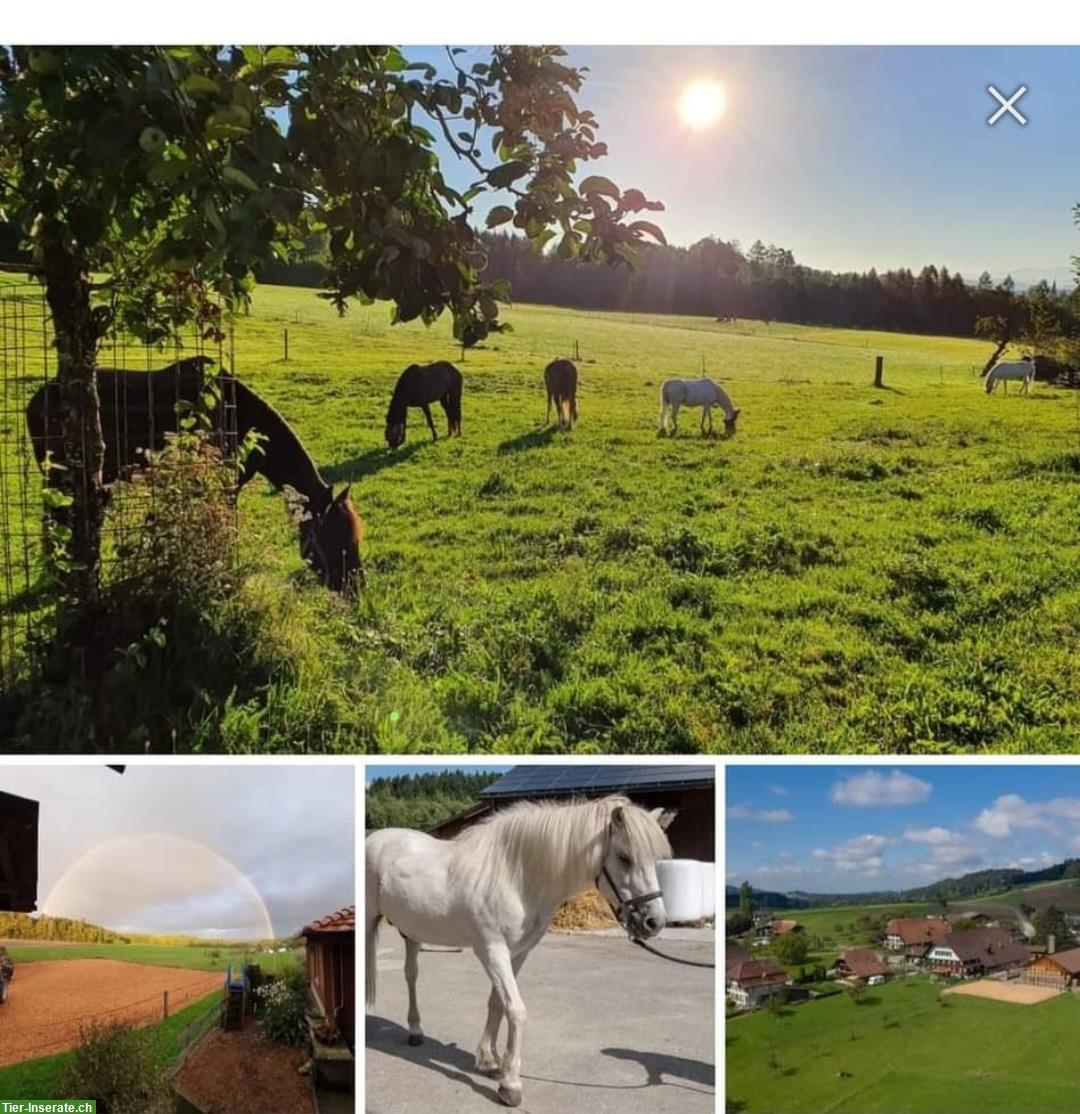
560 378
1023 370
421 385
676 393
495 887
138 410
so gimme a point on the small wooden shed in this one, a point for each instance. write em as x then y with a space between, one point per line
18 854
331 968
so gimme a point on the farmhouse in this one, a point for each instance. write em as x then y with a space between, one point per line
782 928
978 951
753 982
735 955
690 790
1060 970
331 968
914 936
859 966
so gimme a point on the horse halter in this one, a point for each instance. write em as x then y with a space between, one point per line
625 906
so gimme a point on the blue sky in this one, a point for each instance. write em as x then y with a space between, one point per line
850 156
848 829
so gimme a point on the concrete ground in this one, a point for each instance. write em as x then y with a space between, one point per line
610 1029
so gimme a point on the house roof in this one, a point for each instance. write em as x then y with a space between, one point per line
344 920
1068 960
994 947
917 930
563 781
736 954
781 927
863 963
757 972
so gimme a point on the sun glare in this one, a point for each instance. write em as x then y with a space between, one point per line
702 103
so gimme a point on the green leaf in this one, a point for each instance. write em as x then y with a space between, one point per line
280 56
509 172
568 246
649 229
236 175
597 184
499 215
199 85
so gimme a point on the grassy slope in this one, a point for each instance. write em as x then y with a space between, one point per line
907 1054
858 570
200 959
37 1079
823 922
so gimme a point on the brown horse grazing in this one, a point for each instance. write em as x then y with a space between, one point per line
138 408
560 376
421 385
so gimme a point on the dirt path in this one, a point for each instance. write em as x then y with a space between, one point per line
1017 992
48 1002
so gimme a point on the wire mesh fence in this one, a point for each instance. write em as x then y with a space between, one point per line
149 394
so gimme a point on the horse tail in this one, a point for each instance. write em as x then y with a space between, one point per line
371 973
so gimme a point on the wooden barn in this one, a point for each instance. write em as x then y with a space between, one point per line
690 790
18 854
331 968
1058 970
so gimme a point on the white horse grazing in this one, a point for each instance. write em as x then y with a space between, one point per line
496 886
695 392
1023 369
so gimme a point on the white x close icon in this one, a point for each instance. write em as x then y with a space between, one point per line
1007 105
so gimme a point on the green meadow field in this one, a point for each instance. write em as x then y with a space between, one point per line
858 570
905 1052
197 958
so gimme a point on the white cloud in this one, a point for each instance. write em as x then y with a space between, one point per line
930 835
863 854
1011 813
783 871
779 791
874 790
764 815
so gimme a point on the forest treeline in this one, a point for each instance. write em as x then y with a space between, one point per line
719 279
424 799
64 930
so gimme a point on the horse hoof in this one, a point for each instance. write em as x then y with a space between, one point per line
508 1097
416 1039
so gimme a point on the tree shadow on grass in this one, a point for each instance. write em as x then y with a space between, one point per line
534 439
455 1063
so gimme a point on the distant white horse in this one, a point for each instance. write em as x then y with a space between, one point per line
496 886
1023 369
676 393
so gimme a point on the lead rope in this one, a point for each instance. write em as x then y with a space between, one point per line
673 958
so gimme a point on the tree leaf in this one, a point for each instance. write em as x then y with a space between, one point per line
597 184
199 85
235 174
509 172
649 229
499 215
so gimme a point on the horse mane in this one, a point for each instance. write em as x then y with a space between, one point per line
395 412
551 843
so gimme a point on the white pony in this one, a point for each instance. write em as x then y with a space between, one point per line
1023 369
496 886
695 392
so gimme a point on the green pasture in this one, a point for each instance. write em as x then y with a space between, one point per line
905 1051
839 922
858 570
37 1079
196 958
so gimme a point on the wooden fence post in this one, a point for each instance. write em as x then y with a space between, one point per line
166 1003
286 345
879 370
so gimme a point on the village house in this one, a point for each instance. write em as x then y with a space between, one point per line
976 952
858 966
753 982
1058 970
914 936
782 928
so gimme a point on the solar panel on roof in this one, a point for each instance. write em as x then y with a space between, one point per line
540 781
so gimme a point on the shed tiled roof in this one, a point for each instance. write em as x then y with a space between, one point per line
862 963
1067 960
781 927
757 972
344 920
736 954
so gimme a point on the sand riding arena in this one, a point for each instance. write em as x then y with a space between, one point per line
50 1002
1019 993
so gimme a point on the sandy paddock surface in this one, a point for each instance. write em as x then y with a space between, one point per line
1016 992
241 1073
48 1002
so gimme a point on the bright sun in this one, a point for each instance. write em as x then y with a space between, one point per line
702 103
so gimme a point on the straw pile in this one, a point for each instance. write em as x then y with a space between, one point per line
583 913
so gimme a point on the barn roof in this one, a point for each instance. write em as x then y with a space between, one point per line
562 781
917 930
344 920
994 947
863 963
757 972
736 954
1067 960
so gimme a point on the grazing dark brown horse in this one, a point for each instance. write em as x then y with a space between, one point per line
421 385
138 408
560 376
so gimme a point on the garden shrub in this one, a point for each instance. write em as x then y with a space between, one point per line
282 1005
115 1065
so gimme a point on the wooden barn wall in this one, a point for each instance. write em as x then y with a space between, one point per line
331 967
